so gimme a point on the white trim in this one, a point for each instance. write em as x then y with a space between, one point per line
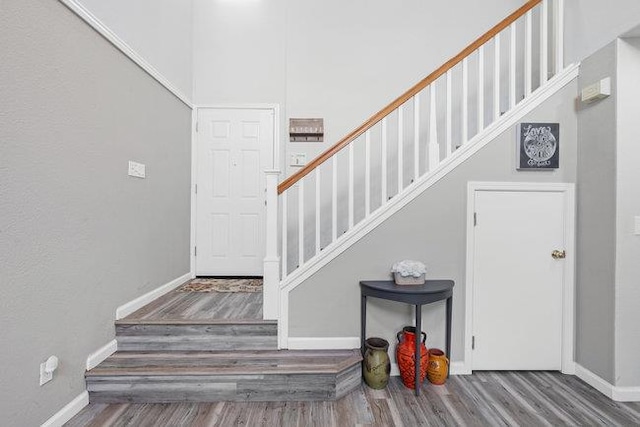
120 44
617 393
133 305
323 343
283 321
467 150
69 411
275 161
194 182
98 356
568 298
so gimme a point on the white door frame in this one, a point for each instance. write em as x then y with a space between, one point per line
568 286
275 161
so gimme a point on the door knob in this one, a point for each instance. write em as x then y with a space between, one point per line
556 254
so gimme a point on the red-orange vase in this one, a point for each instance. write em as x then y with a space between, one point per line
405 356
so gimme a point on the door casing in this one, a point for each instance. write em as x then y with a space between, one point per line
568 291
275 161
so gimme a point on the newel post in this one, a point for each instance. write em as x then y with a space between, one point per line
271 286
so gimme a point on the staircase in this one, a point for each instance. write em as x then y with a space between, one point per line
161 361
320 211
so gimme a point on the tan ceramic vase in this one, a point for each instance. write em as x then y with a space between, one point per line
438 367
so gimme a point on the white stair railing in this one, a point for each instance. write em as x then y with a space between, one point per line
408 140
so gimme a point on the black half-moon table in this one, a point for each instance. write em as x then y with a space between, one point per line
416 295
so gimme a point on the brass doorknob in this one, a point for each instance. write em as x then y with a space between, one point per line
558 254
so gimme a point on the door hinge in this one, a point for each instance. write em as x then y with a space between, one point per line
197 126
473 342
475 219
196 188
195 251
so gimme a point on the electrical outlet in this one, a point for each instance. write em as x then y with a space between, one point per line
45 376
47 368
137 170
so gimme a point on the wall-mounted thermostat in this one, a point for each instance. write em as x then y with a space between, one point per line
596 91
306 130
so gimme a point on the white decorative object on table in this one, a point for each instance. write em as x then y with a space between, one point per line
408 272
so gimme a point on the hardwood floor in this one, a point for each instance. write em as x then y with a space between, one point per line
202 306
482 399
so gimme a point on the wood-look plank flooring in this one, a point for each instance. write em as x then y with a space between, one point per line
202 306
481 399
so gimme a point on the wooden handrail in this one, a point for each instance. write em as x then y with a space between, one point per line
284 185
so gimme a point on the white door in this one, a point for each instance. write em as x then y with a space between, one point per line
517 283
234 147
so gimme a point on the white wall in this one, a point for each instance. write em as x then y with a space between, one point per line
591 24
342 61
158 30
627 318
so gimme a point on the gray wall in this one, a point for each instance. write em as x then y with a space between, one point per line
627 294
431 229
77 236
596 220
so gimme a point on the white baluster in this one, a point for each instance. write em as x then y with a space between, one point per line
465 99
416 137
449 139
434 148
480 88
400 149
334 198
383 172
528 38
512 67
559 40
544 42
271 265
496 78
351 184
317 210
367 173
300 222
285 227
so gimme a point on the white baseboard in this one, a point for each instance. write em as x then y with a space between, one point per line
323 343
617 393
68 412
459 368
102 353
128 308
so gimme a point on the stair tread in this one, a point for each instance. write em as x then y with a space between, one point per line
257 362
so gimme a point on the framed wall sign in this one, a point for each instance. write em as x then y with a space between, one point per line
538 146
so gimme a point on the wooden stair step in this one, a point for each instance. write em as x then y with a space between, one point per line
225 376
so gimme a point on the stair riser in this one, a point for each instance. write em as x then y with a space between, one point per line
145 337
265 388
195 343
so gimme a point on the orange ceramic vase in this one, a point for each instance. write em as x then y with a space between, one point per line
438 367
405 356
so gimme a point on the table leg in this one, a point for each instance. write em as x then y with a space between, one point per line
363 321
448 336
418 340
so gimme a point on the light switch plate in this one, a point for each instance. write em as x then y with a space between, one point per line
298 159
636 225
137 170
